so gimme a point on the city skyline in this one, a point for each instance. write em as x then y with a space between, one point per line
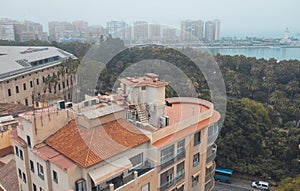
247 18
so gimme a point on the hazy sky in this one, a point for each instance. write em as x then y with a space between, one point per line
238 17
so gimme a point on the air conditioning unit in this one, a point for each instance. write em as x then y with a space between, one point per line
61 104
138 124
131 121
162 121
69 104
94 101
86 103
167 120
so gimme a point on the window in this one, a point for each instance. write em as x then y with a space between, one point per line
80 185
17 89
31 166
167 177
37 81
40 171
197 138
55 177
195 180
146 187
136 160
9 92
20 173
181 146
63 85
212 130
24 86
26 102
167 154
41 189
59 86
21 154
196 160
17 150
31 84
34 187
67 82
24 177
43 78
180 171
143 87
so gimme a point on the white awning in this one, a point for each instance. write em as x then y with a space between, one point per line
110 170
179 186
196 174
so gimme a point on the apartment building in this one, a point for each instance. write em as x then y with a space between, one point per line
24 72
132 140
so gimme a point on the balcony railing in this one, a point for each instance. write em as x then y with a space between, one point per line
172 160
180 155
212 138
167 163
166 185
209 174
180 176
211 155
210 185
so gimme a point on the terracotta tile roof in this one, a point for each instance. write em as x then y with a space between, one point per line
9 177
87 147
187 131
13 109
48 154
17 139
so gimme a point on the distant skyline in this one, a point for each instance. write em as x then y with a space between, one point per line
239 18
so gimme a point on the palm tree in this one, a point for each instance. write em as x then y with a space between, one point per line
292 87
234 89
54 81
71 69
48 84
252 85
278 98
62 72
269 85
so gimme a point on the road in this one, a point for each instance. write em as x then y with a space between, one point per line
236 185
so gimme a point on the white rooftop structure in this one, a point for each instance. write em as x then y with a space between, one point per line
100 112
16 60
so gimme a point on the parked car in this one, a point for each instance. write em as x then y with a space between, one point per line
260 185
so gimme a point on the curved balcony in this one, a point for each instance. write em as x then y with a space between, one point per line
211 153
213 137
209 174
210 185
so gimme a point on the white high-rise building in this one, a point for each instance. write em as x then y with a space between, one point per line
117 29
6 30
140 31
216 29
209 31
191 30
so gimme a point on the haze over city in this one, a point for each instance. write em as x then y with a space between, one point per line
267 18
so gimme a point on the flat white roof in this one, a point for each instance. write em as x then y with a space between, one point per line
16 59
96 113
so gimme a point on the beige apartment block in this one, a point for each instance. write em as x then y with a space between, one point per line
24 72
142 142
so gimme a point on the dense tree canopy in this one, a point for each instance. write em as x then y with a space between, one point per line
261 131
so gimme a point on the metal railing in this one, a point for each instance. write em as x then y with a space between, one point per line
172 160
211 155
